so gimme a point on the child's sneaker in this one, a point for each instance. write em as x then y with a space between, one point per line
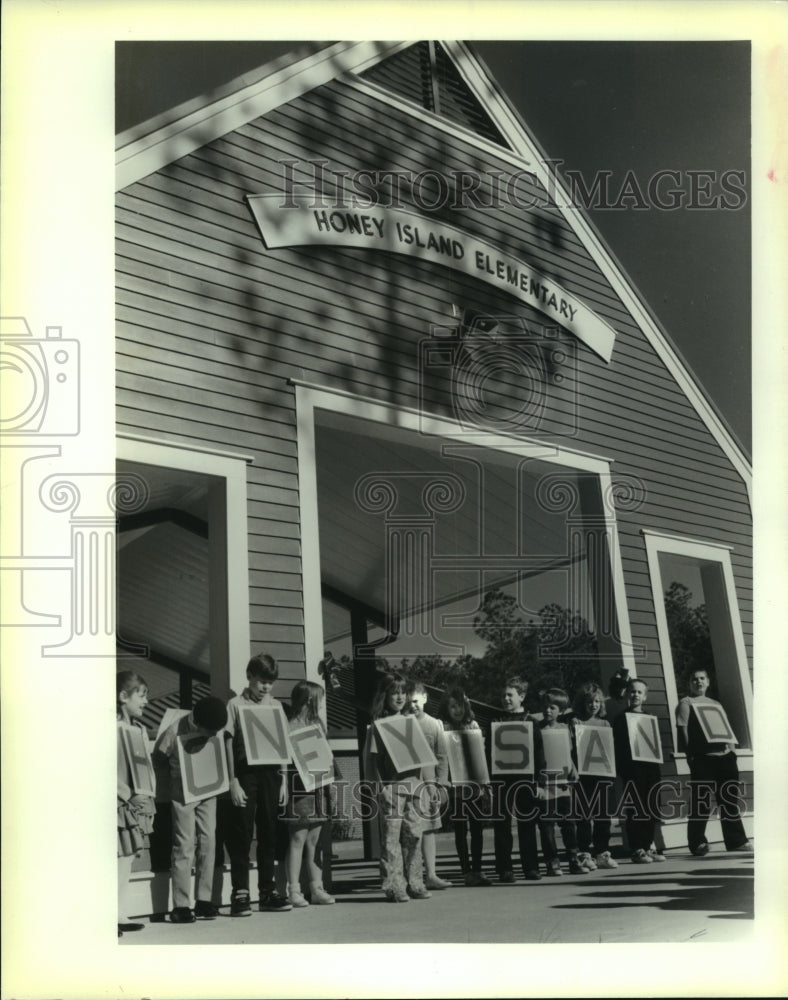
297 898
587 861
576 867
434 882
641 857
182 915
240 906
745 848
319 896
554 868
656 856
272 902
205 910
701 850
605 860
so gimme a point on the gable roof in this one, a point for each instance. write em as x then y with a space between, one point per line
149 147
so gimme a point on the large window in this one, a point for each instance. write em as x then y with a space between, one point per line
699 625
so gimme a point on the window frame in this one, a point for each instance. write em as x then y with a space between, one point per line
658 543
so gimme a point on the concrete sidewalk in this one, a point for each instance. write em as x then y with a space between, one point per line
684 899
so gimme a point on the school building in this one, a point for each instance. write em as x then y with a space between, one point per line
371 363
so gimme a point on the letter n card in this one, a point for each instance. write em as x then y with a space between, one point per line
312 756
135 747
595 752
405 743
644 741
713 723
512 748
264 731
203 766
465 752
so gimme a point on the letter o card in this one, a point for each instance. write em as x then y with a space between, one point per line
135 748
512 749
203 766
264 731
312 756
645 744
713 723
595 752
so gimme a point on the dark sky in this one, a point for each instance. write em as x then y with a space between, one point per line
597 106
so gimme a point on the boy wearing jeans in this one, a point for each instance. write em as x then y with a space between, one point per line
193 823
256 792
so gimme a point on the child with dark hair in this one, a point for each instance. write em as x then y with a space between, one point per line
135 811
457 716
194 823
515 796
616 702
256 793
555 702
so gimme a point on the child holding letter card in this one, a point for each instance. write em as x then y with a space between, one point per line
558 771
638 757
469 793
135 801
705 735
595 759
514 794
256 789
393 761
193 805
434 779
308 808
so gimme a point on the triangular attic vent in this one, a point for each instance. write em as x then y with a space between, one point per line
424 73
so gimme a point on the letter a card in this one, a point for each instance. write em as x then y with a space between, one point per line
405 743
595 753
203 766
264 731
312 756
713 723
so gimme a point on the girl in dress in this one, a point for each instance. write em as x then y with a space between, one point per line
135 811
307 812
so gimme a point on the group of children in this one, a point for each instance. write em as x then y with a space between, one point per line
411 803
260 797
